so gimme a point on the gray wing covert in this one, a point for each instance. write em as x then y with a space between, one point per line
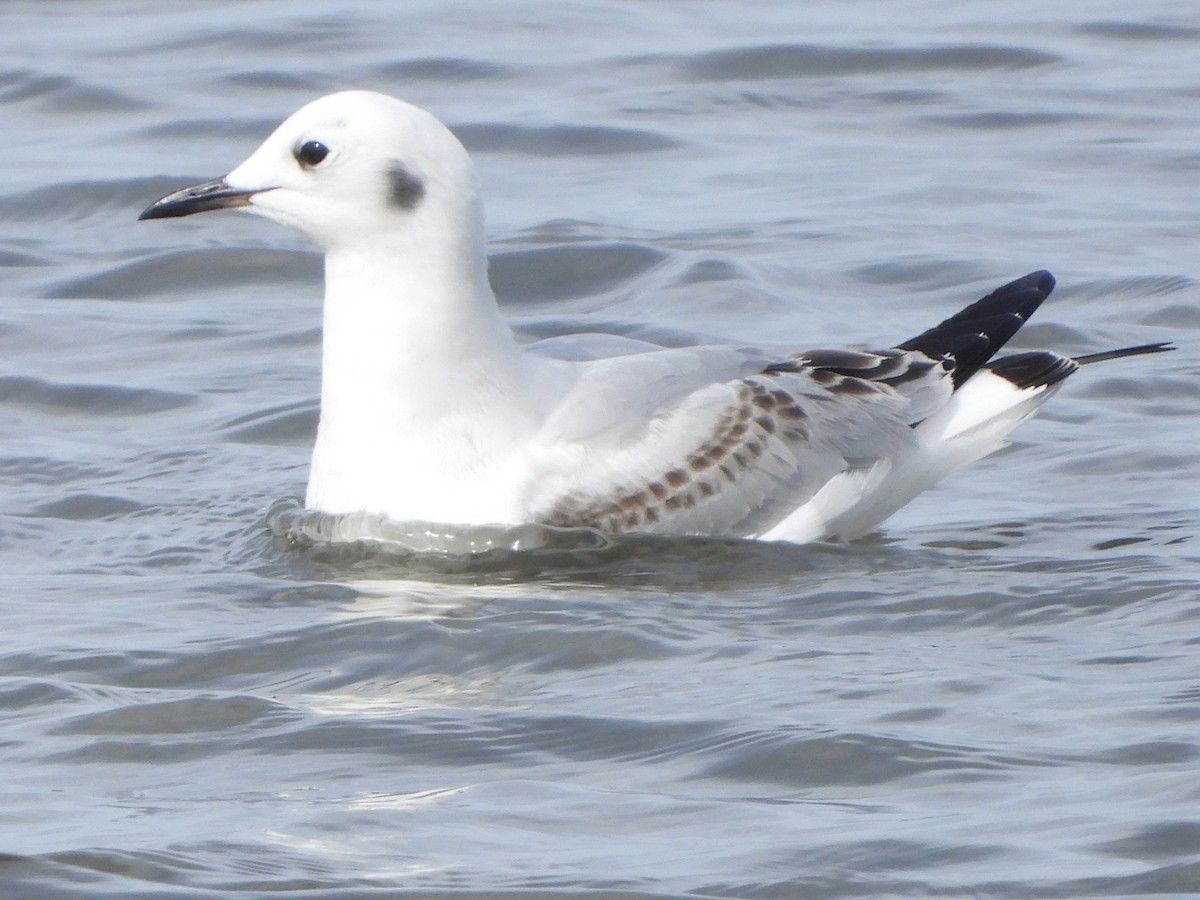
737 457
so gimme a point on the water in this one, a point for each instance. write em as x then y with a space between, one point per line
996 695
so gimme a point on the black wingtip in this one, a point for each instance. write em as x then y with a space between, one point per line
1042 369
1042 280
1139 350
975 334
1034 369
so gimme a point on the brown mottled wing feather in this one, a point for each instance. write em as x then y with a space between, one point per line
737 457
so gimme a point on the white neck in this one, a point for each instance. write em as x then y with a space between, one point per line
424 391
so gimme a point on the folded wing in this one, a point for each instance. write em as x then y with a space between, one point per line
822 445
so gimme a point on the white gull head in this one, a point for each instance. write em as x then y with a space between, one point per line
350 167
359 166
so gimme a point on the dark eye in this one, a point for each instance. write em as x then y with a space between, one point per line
310 153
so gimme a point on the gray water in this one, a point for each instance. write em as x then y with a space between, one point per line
997 695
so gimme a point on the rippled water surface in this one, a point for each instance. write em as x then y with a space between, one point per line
997 695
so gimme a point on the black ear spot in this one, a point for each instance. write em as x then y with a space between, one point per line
405 189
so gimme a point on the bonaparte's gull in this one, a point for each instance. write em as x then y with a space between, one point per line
430 410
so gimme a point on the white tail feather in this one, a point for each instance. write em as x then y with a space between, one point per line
976 422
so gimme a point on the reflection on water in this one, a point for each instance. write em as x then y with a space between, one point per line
303 529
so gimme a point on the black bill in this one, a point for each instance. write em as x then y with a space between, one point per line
215 194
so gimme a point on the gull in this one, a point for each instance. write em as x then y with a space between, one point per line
432 411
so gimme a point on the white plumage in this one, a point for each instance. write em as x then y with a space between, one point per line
430 410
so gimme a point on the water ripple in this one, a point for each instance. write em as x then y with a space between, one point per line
96 399
769 61
208 269
205 692
560 140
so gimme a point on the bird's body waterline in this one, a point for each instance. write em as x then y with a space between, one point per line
430 409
